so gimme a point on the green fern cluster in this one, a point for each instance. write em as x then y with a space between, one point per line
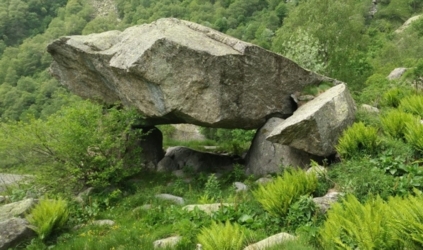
352 225
277 196
222 236
48 215
392 97
413 105
357 138
407 220
394 123
414 135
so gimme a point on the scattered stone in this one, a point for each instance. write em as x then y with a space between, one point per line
172 198
369 109
81 197
9 179
103 223
207 208
177 71
265 157
16 209
396 73
264 180
240 187
181 157
13 231
316 126
168 242
325 202
270 241
317 170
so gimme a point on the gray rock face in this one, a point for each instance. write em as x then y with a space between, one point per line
168 242
270 241
172 198
325 202
396 73
16 209
177 71
266 157
408 23
182 157
316 126
13 231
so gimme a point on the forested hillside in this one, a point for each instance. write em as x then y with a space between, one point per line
341 39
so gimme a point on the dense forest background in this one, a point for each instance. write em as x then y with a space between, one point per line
342 39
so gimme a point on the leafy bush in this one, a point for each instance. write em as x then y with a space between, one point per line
356 139
414 135
47 216
351 225
394 123
300 212
413 105
277 196
407 217
82 144
222 236
374 86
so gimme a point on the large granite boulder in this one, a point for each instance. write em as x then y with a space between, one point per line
316 126
265 157
15 209
13 231
177 71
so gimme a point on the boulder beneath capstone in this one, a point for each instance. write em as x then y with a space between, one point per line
316 126
265 157
176 71
13 231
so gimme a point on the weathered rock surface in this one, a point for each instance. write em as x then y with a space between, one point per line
177 71
168 242
182 157
325 202
9 179
207 208
270 241
265 157
408 23
13 231
172 198
369 109
240 187
396 73
16 209
316 126
187 132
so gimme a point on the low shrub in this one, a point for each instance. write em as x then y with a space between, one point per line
413 105
392 97
222 236
394 123
356 139
277 196
47 216
352 225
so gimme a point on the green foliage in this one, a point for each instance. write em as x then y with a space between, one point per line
233 140
374 86
414 135
301 212
277 196
413 105
392 98
394 123
407 219
357 139
48 215
351 225
306 50
80 145
212 190
222 236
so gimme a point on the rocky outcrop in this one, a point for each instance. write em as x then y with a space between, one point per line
408 23
171 198
167 243
317 125
195 161
177 71
187 132
325 202
265 157
207 208
13 231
